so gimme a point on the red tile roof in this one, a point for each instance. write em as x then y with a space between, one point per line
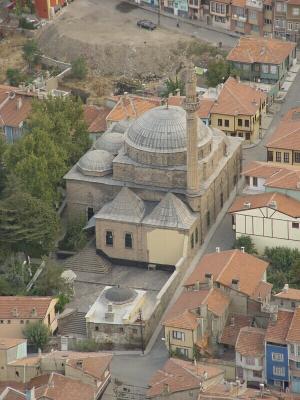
205 105
228 265
181 316
95 118
289 294
232 328
7 343
287 133
263 291
12 394
294 330
251 49
15 106
284 204
278 330
178 376
94 365
237 98
250 342
27 307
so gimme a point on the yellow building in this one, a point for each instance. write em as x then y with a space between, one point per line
270 219
17 311
284 145
239 110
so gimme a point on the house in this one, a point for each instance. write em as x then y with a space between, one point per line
10 350
219 13
293 340
95 118
248 17
46 9
239 110
196 320
17 311
262 59
204 109
287 20
130 107
250 353
15 107
182 380
276 347
270 219
238 274
288 298
234 323
272 177
284 145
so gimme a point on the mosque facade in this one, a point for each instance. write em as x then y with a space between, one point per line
154 186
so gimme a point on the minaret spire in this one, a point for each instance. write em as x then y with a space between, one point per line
191 106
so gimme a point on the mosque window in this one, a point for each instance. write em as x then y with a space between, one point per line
109 238
221 200
192 241
128 240
208 218
196 235
219 122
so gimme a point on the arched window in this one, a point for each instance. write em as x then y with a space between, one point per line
196 235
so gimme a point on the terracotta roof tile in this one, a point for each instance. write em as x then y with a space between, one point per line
284 204
294 330
29 307
228 265
7 343
12 394
232 328
132 106
27 361
277 330
15 110
237 98
262 291
251 49
180 375
94 365
250 342
287 133
217 302
290 294
95 118
60 387
238 3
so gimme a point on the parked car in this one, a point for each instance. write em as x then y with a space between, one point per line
34 22
146 24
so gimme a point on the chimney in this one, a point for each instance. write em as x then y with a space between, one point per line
166 388
273 204
33 312
285 287
30 394
197 285
232 321
243 249
209 279
235 284
217 249
247 204
19 103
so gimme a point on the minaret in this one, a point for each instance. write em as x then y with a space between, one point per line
191 105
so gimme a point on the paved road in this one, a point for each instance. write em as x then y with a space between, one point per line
186 28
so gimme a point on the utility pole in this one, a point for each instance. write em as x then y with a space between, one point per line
142 333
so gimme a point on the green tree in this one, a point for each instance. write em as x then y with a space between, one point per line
282 258
27 224
14 76
217 72
174 85
31 53
61 118
75 237
3 170
37 333
79 68
247 243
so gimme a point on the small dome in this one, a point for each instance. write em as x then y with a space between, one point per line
161 129
95 162
120 295
110 141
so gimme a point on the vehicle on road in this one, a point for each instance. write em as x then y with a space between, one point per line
146 24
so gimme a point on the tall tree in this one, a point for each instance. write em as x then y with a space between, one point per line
62 119
37 334
27 224
31 53
217 72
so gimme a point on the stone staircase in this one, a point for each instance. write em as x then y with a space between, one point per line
74 324
87 260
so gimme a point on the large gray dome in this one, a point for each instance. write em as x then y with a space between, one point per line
120 295
95 162
161 129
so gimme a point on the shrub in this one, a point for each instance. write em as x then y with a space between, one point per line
37 334
75 237
79 68
247 243
91 345
14 76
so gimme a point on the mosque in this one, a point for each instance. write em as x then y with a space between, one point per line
152 187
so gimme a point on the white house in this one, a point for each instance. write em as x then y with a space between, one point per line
270 219
249 355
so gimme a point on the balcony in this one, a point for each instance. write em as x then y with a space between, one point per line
240 18
257 4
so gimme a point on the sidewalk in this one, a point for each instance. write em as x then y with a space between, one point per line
195 23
